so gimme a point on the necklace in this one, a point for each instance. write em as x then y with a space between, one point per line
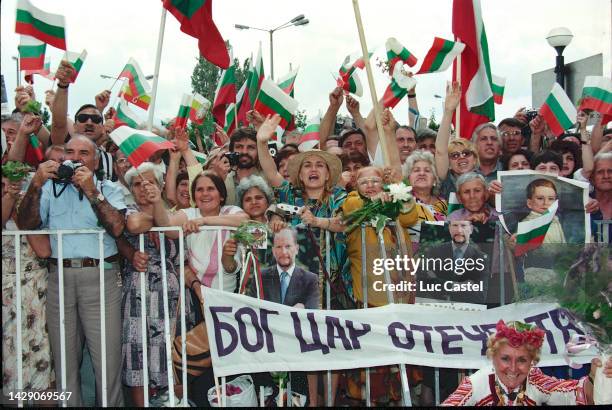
516 397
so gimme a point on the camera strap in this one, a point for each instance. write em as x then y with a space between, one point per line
55 193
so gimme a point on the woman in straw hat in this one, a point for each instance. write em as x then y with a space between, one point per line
312 186
514 381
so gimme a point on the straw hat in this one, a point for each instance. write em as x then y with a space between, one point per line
334 165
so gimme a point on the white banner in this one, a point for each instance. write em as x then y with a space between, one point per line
250 335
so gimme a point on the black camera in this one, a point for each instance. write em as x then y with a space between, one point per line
232 157
526 131
66 170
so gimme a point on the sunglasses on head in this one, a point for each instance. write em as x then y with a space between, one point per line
463 154
95 118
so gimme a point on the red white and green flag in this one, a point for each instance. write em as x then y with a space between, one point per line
253 84
34 153
476 104
139 89
76 60
46 27
310 136
125 116
597 96
44 72
180 121
558 110
441 55
240 98
530 234
348 78
31 53
230 119
397 52
195 18
499 85
273 100
287 83
138 145
399 86
199 107
225 94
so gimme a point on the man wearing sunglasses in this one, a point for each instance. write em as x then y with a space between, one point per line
88 120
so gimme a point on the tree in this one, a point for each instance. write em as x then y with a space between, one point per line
301 120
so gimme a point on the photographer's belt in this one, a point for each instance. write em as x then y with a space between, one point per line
84 262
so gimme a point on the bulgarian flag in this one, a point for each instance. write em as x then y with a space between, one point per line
180 121
225 94
254 80
31 53
273 100
195 17
76 60
34 154
530 234
400 84
597 96
46 27
397 52
138 145
558 110
139 90
125 116
240 97
476 105
230 119
142 101
440 56
499 84
44 72
199 107
310 136
453 203
287 83
351 84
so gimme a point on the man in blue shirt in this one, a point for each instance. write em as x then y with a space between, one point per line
83 203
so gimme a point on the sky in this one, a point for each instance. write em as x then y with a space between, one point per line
113 31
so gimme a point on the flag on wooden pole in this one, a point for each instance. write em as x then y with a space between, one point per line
597 96
477 105
272 100
397 52
558 110
441 55
180 121
253 84
195 18
399 86
76 60
530 234
46 27
138 145
499 85
31 53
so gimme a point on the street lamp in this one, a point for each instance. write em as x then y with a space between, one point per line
111 77
559 38
17 65
299 20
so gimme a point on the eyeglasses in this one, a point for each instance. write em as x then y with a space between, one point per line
121 160
463 154
510 133
95 118
376 181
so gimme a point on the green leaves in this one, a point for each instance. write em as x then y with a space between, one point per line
15 170
33 106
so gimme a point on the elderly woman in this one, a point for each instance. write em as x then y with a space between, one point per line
472 194
254 196
139 221
514 381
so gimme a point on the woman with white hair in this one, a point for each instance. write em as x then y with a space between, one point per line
140 220
254 196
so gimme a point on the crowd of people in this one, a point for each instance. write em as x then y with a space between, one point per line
240 181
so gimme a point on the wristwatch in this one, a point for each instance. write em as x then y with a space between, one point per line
97 199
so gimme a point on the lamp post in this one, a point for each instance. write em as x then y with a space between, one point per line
296 21
17 66
112 77
559 38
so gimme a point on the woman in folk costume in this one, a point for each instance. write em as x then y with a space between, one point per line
514 381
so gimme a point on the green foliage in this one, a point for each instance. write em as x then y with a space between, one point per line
32 106
432 121
301 120
15 170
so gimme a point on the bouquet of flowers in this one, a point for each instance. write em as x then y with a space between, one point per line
251 235
378 212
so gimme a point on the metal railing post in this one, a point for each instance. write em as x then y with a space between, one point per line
364 283
102 319
143 328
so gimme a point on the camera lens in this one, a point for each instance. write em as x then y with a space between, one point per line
64 172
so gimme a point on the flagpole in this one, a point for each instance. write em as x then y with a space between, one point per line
160 42
458 109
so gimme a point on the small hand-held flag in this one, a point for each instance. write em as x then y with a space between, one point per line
138 145
558 110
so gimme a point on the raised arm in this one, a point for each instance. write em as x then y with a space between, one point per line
9 199
453 96
587 150
413 106
265 159
597 134
59 108
139 222
161 216
538 129
352 105
326 128
171 173
388 123
30 125
28 213
371 132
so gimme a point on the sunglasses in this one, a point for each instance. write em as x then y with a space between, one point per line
95 118
510 133
463 154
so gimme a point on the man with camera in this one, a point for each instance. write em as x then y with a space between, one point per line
70 196
243 160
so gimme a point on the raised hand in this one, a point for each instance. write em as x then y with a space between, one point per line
352 105
336 97
268 127
255 118
223 137
102 100
45 171
30 125
582 120
537 125
64 72
152 191
83 178
453 97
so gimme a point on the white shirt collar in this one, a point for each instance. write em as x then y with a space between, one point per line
289 271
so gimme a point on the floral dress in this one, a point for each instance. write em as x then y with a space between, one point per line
131 372
307 257
38 372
